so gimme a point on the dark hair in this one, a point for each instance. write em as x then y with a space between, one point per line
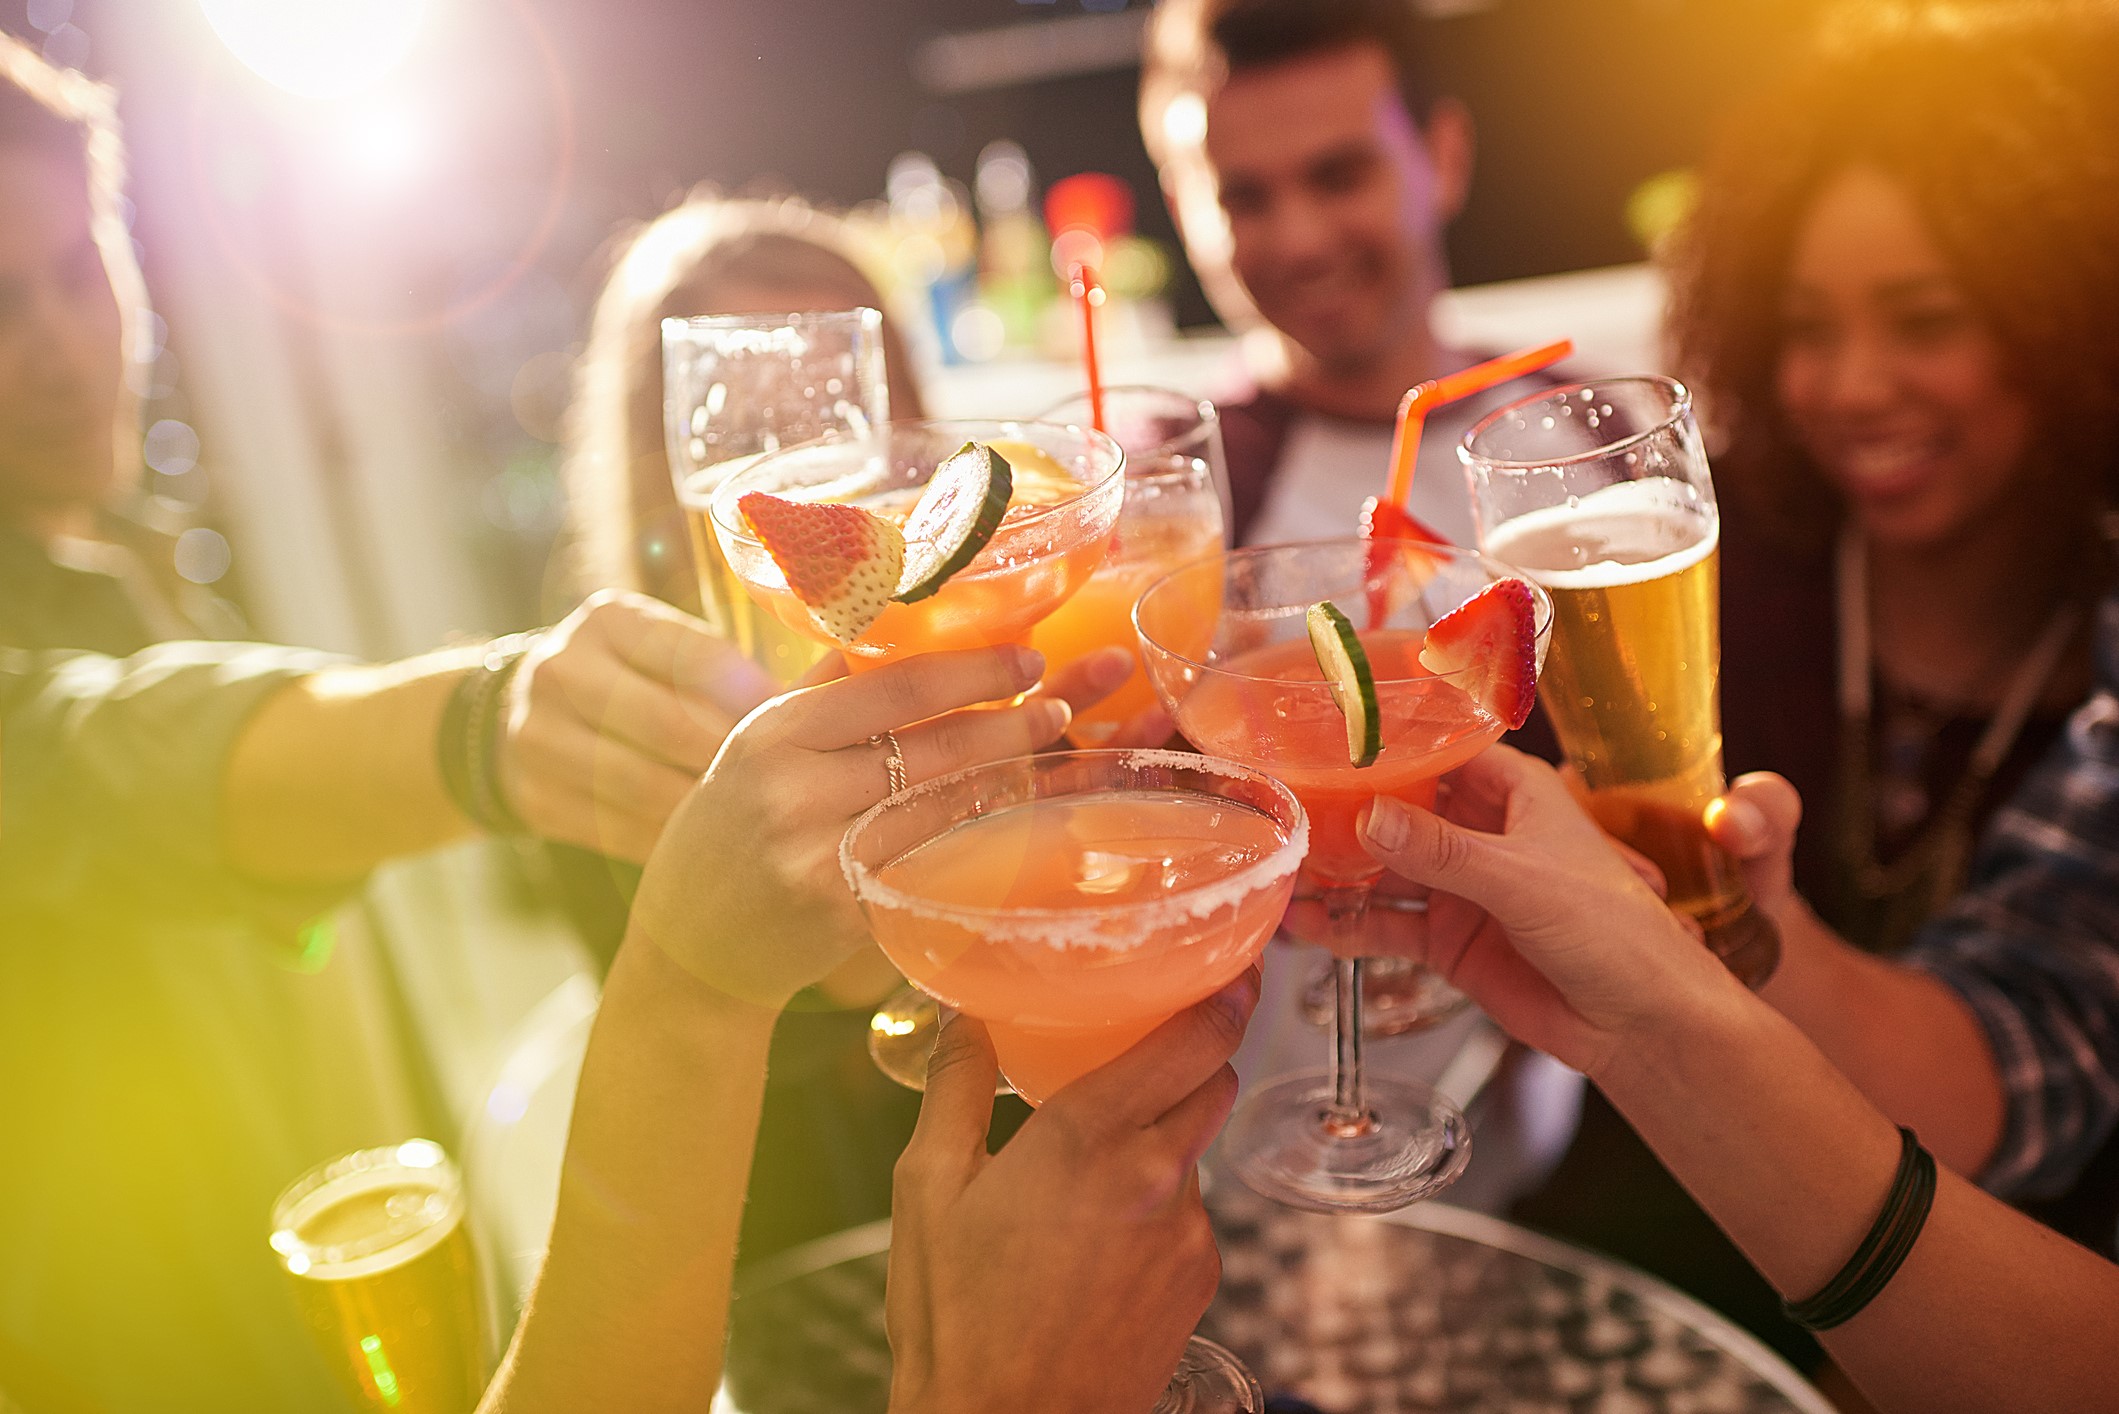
2001 123
1193 44
624 528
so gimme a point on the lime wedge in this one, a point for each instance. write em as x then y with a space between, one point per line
1346 673
955 517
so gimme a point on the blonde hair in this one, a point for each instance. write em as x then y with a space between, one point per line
624 528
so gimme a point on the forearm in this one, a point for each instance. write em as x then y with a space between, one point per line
337 772
1989 1312
631 1308
1904 1038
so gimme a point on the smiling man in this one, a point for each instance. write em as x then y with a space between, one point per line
1313 167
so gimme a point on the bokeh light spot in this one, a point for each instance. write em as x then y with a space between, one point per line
203 555
171 447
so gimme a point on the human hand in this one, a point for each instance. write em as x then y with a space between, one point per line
613 716
1065 1273
1091 678
1756 821
1536 916
744 889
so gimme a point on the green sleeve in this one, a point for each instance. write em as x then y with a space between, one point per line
111 772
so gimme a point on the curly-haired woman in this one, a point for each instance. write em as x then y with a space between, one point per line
1897 300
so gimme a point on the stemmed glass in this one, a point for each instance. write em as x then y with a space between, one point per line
735 387
1227 647
1074 901
1070 487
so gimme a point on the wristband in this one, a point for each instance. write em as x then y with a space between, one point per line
467 743
1883 1250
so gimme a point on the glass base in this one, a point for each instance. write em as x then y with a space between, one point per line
1283 1144
1209 1380
901 1038
1398 995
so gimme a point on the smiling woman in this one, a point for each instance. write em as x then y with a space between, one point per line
1896 300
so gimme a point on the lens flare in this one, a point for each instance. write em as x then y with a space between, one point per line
318 48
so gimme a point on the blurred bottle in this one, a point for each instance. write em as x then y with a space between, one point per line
1091 218
934 244
1015 279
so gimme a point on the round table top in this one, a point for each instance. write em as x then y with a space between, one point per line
1431 1308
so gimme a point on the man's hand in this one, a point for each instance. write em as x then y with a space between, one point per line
1756 823
1537 916
614 715
1064 1273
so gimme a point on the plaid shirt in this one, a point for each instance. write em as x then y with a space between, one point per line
2032 945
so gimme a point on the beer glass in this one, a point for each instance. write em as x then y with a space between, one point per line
383 1270
1600 492
736 387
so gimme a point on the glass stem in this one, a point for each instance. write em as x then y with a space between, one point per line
1344 908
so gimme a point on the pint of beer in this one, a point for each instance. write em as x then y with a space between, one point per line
1600 492
384 1273
737 387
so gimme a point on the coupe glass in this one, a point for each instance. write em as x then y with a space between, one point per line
1074 901
738 386
1227 646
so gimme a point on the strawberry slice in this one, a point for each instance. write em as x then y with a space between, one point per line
1395 575
841 562
1492 641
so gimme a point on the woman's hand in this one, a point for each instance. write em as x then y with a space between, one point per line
1756 823
744 891
1537 916
1064 1273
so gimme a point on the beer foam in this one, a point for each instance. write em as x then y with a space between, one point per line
402 1237
1627 533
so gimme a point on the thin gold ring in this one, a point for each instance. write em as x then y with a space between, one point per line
894 762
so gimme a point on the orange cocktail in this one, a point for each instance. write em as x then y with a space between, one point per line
1069 485
1430 726
1172 516
1075 901
1244 683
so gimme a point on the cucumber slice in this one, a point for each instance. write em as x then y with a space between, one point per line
955 517
1346 672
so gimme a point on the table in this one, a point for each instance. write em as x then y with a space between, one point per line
1431 1308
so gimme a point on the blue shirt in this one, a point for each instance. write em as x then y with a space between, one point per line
2032 945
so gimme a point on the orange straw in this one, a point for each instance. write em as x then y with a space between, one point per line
1412 413
1088 294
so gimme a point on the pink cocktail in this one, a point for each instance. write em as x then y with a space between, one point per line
1077 900
1243 684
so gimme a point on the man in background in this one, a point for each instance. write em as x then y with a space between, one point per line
1313 165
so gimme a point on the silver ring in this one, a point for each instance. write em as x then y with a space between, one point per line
894 763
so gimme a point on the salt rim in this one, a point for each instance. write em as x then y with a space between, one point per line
721 506
1541 608
1060 927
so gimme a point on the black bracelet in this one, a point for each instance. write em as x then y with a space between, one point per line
467 743
1883 1250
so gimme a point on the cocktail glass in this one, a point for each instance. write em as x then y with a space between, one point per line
1227 647
734 388
1069 485
1075 901
1600 492
1173 514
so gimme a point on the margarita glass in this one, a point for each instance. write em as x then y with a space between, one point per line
1074 901
1243 683
1173 515
1068 485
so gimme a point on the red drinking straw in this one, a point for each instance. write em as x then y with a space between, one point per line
1412 413
1088 294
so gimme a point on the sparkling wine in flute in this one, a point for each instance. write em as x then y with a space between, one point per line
1631 682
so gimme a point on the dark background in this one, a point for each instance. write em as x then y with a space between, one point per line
550 125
